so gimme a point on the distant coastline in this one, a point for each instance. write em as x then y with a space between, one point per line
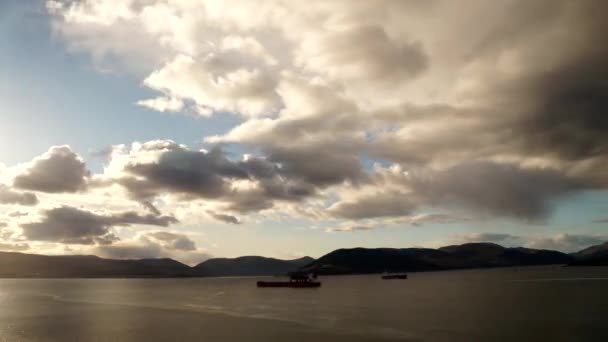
339 262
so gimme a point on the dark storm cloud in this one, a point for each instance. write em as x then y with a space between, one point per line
224 218
318 165
211 175
72 225
9 196
200 174
552 105
559 103
569 115
58 170
376 205
528 85
496 189
483 188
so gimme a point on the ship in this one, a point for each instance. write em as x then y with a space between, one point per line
390 276
296 280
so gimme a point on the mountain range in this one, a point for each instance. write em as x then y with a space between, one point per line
341 261
249 266
470 255
592 256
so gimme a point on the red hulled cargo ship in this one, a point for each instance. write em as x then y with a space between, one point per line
296 280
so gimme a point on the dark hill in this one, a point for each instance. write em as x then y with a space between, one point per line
249 266
471 255
592 256
20 265
341 261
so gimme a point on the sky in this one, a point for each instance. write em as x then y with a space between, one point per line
197 129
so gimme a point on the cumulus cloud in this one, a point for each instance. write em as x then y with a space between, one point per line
163 104
504 123
163 167
361 53
215 84
57 170
498 189
155 244
14 247
71 225
433 218
17 214
483 188
174 241
348 227
10 196
377 205
224 218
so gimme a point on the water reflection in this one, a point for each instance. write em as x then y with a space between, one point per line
498 305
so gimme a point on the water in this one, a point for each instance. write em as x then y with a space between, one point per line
525 304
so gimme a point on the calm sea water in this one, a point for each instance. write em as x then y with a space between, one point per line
526 304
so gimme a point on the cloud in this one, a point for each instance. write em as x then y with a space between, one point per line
9 196
503 123
481 188
498 189
155 244
174 241
14 247
364 223
568 242
196 173
224 218
362 53
213 82
163 104
561 105
376 205
499 238
349 228
71 225
18 214
156 168
434 218
151 208
57 170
